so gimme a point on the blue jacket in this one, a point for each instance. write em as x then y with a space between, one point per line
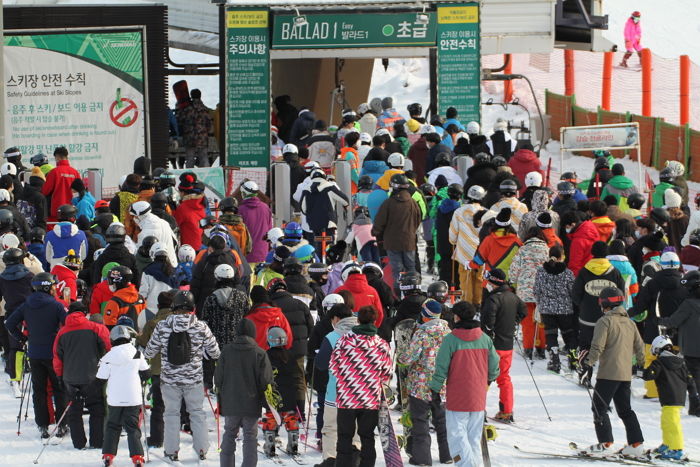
375 200
43 315
15 286
85 206
374 169
39 250
63 237
453 121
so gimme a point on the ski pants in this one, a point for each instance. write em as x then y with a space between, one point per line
619 392
464 432
42 373
533 332
366 420
157 408
553 324
232 424
505 385
370 252
671 428
650 386
585 336
470 281
421 412
329 433
401 261
91 397
127 418
693 364
193 396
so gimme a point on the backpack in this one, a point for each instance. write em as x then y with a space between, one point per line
239 232
179 348
319 210
133 309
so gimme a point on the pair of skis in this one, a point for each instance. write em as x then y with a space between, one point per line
615 458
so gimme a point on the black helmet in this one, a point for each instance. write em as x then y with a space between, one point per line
116 233
438 291
159 200
499 161
37 234
43 282
566 188
67 212
228 204
292 266
365 183
167 179
455 191
317 271
666 175
120 277
508 187
482 157
399 181
442 158
146 244
157 172
601 163
428 190
39 159
610 297
410 282
183 300
660 216
414 109
636 200
691 281
6 217
336 252
569 177
13 256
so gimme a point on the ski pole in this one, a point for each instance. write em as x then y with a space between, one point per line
308 413
25 388
53 432
534 382
29 394
216 417
145 426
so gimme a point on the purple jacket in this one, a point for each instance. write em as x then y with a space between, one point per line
258 218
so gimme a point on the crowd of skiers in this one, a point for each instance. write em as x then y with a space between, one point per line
184 306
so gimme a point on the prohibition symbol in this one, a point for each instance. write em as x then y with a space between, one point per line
126 114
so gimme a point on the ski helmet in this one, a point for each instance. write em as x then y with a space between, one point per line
499 161
290 149
72 261
183 300
317 173
442 159
293 231
146 244
120 277
37 234
158 201
691 280
167 179
224 272
121 332
636 200
139 208
67 212
508 187
677 168
317 271
365 183
331 300
158 249
276 284
116 233
292 266
566 188
414 109
636 14
409 282
350 267
666 175
5 196
473 128
276 337
9 240
660 216
274 234
372 268
660 343
310 166
249 189
428 190
396 160
13 256
533 179
569 177
476 193
438 291
601 163
186 254
43 282
336 252
398 181
482 157
97 253
670 260
39 159
8 168
610 297
228 204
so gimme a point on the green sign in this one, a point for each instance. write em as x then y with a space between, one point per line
354 30
459 60
247 88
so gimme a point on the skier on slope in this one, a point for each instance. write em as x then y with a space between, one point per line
633 38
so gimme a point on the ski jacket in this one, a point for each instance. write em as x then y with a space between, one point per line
361 362
321 147
581 240
676 227
443 220
238 230
663 290
657 199
468 361
481 174
299 318
360 232
364 295
397 221
388 118
633 35
153 282
496 251
501 312
597 275
562 206
605 226
223 311
299 288
464 235
319 206
146 333
123 367
538 204
323 357
202 341
100 295
203 280
114 253
375 200
615 342
15 286
418 154
42 315
77 350
374 168
120 304
187 215
552 289
524 266
266 316
672 378
690 257
409 308
518 210
301 250
384 182
31 194
258 218
522 163
302 126
620 187
622 264
432 153
85 206
502 144
368 123
419 356
66 278
57 185
448 172
693 223
119 205
63 237
687 320
38 250
152 225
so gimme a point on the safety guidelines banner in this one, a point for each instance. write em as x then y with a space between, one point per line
84 91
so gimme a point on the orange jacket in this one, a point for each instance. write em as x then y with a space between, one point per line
128 296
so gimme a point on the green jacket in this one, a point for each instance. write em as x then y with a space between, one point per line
657 199
620 187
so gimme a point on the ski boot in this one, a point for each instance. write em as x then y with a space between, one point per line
171 458
661 449
293 442
633 451
15 389
504 417
269 445
138 461
528 354
597 450
107 459
44 432
151 443
490 432
554 364
572 357
62 431
540 355
674 455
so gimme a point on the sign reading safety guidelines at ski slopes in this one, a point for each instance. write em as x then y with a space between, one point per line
619 136
83 91
459 60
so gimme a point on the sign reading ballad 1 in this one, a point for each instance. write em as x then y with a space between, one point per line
354 30
247 88
459 60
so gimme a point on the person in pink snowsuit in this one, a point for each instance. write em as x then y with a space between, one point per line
633 38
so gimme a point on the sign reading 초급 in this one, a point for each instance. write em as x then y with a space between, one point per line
459 60
247 88
623 136
354 30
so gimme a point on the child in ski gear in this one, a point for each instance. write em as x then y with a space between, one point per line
242 374
183 272
620 186
617 257
468 361
499 247
67 277
447 267
361 363
126 300
157 277
581 234
264 316
601 221
501 312
124 368
633 38
361 234
509 190
672 380
615 342
365 295
419 357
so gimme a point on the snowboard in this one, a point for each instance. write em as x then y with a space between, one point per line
402 335
387 436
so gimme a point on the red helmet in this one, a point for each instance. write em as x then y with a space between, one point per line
636 14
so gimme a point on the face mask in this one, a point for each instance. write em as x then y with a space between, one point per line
635 19
637 234
569 229
113 288
75 195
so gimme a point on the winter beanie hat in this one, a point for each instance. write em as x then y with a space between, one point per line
544 220
599 249
281 253
387 103
496 277
618 169
440 181
187 181
246 328
431 309
672 199
503 218
36 172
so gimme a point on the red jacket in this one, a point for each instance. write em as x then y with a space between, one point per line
265 317
78 347
66 278
58 182
582 240
522 163
100 295
364 294
187 215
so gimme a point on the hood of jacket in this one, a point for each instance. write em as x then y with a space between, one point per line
467 335
402 196
554 267
129 294
435 326
65 229
75 319
121 354
618 258
242 342
356 282
540 201
230 218
180 322
375 167
265 312
618 310
525 155
621 182
155 269
14 272
251 202
345 325
668 279
585 231
362 342
223 295
598 266
308 116
448 206
671 360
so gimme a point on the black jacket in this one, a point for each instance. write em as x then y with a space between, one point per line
501 311
299 287
223 311
241 376
32 195
687 320
21 226
319 295
408 308
564 205
672 379
79 346
666 289
114 252
203 280
433 152
15 286
299 317
587 288
604 176
388 299
481 174
376 154
478 144
318 333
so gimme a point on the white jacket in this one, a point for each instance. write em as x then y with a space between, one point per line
449 172
693 223
368 123
150 224
150 289
120 367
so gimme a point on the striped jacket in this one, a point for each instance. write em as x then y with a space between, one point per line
463 234
518 209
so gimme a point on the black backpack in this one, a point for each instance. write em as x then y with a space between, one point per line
179 348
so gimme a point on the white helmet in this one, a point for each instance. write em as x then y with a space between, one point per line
5 195
330 300
500 125
659 343
382 132
9 240
363 108
476 193
533 179
249 188
186 253
350 266
122 179
290 148
396 160
8 168
310 166
157 249
139 208
274 234
365 138
224 271
97 254
473 128
426 129
670 260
